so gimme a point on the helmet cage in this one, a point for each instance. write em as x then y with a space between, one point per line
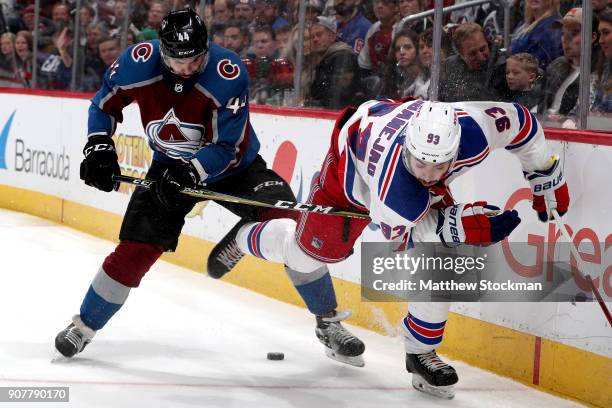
166 61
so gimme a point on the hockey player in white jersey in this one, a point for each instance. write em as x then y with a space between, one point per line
395 160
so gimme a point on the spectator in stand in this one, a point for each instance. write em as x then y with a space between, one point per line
267 12
87 15
263 51
138 12
156 13
244 11
90 68
208 15
8 65
602 89
425 55
352 24
217 30
336 83
45 27
104 11
600 6
121 11
236 37
378 39
95 32
410 7
23 57
222 11
115 20
50 70
309 62
476 73
263 44
402 66
7 51
60 15
109 49
536 34
563 74
314 9
523 78
600 99
62 73
175 4
282 37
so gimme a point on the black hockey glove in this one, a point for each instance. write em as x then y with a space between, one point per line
100 163
167 190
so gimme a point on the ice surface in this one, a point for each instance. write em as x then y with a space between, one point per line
183 339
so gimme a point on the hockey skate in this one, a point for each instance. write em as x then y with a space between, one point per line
74 338
431 375
226 254
340 344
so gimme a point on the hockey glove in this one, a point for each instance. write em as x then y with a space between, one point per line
549 190
167 190
100 163
441 196
478 224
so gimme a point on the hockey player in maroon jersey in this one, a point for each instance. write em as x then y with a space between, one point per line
193 100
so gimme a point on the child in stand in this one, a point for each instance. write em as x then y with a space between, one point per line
523 78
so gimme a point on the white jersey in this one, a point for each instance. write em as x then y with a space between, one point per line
375 179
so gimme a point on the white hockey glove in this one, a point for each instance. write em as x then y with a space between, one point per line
549 189
478 224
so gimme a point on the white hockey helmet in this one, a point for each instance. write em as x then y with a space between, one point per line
432 135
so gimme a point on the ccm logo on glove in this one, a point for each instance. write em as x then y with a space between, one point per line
99 148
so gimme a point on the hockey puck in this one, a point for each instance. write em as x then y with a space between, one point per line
276 356
580 297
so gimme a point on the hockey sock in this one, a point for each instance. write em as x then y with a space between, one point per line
266 239
274 240
424 326
103 299
318 294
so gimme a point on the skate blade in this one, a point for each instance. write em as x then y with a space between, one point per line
356 361
340 316
59 358
443 391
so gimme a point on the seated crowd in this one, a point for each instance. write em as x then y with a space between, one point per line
352 50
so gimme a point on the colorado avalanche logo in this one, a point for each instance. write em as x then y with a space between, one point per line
175 138
228 70
142 52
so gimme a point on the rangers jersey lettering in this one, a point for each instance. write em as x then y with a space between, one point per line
376 180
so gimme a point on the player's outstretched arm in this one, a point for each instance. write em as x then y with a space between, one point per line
542 169
477 223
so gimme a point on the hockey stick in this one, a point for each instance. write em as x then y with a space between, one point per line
281 204
582 270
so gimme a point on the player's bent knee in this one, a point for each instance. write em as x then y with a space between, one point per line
130 261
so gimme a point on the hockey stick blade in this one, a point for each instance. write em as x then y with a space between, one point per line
582 270
281 204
